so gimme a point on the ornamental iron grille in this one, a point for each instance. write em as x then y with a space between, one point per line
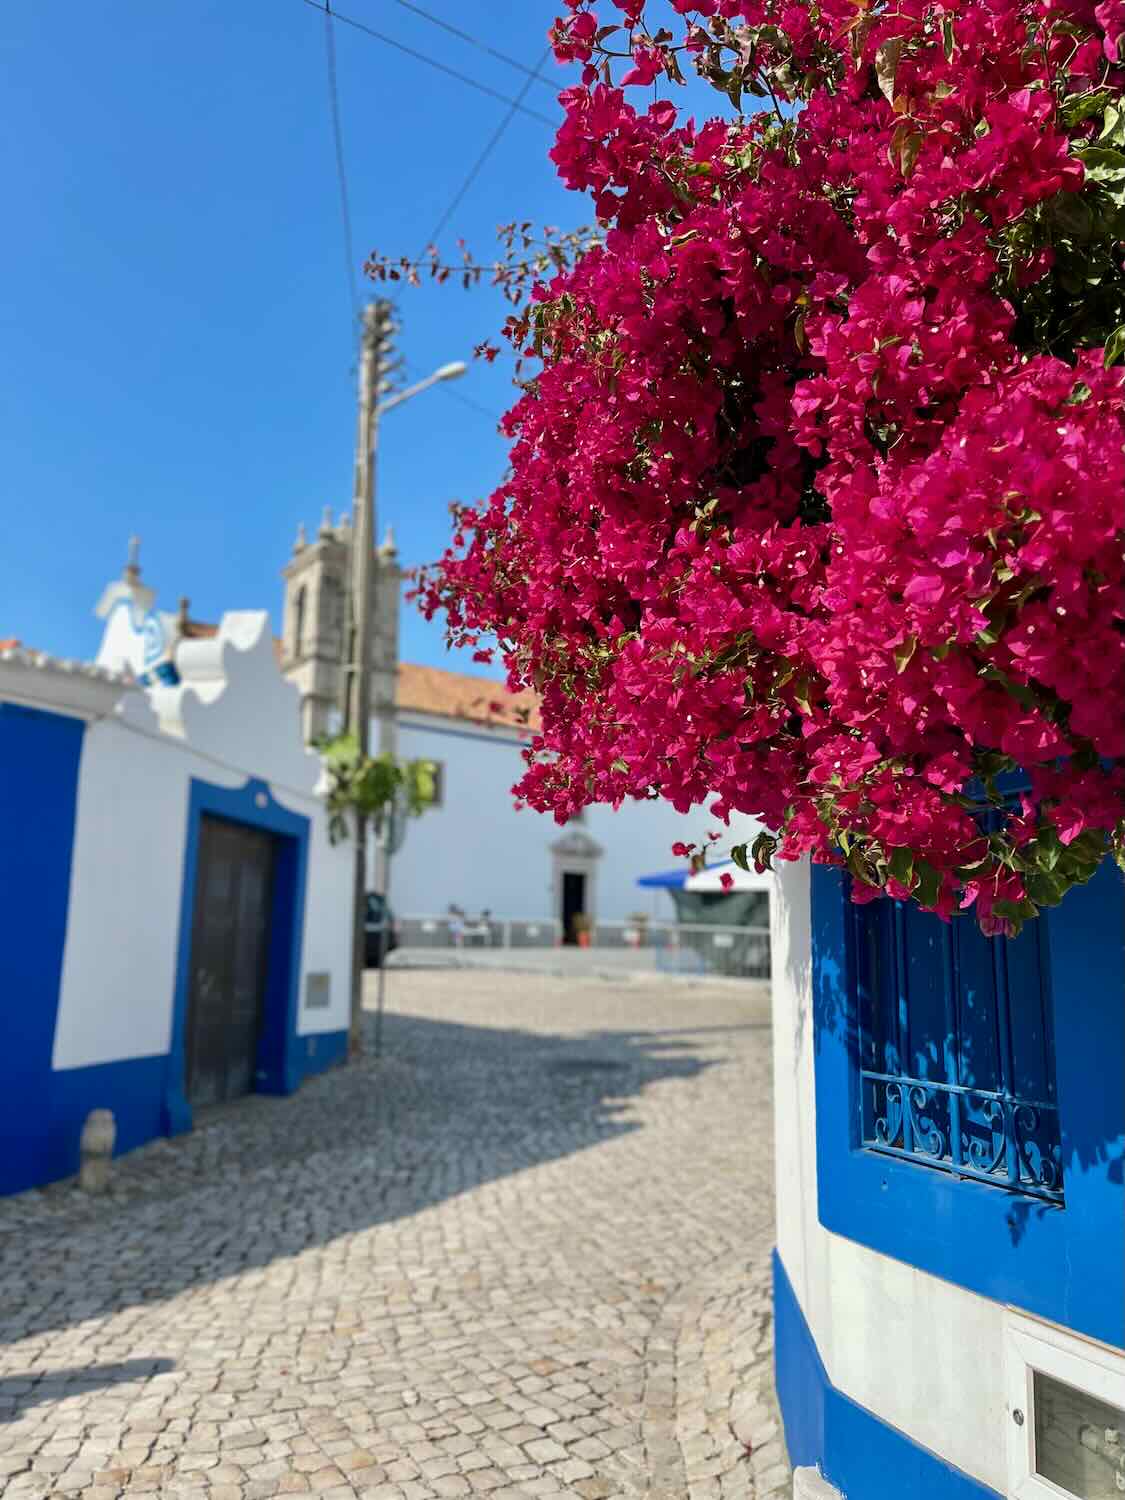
956 1049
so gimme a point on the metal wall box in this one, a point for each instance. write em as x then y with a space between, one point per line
1065 1414
318 991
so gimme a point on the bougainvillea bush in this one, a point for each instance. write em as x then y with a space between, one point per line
817 493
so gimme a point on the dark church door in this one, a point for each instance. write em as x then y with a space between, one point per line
573 904
229 950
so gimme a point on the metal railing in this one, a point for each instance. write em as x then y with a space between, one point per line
672 947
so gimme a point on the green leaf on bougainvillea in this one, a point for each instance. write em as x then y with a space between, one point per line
886 65
904 653
1044 889
928 886
1102 163
1115 346
762 850
738 854
901 865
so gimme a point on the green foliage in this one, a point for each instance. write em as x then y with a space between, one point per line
370 786
1080 302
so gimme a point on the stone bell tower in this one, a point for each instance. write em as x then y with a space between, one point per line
315 634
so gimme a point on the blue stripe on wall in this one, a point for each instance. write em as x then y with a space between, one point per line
40 755
319 1052
864 1457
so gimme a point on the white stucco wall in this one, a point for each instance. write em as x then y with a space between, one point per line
327 945
477 850
922 1354
119 962
239 720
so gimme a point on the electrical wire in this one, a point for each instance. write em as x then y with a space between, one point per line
533 75
474 41
490 146
476 406
341 173
432 62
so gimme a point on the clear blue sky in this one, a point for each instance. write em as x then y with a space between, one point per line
176 328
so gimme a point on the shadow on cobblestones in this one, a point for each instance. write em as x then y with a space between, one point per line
524 1256
20 1392
448 1108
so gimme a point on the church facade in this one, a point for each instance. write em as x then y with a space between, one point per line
474 849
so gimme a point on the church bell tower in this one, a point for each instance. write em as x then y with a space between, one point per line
315 635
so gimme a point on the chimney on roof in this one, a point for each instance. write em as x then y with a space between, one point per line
389 549
132 573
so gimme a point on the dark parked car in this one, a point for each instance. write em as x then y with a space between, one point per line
380 930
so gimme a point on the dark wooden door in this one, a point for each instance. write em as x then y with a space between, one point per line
573 903
229 949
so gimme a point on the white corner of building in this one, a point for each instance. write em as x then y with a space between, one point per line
810 1484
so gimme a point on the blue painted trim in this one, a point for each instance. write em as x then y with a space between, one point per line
319 1051
1065 1264
40 757
863 1456
279 1071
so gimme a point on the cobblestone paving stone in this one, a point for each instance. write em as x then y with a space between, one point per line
523 1255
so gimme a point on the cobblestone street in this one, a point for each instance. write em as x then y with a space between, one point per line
525 1254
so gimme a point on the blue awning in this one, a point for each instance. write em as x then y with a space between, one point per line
669 880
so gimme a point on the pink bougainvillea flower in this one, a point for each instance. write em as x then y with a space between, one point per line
813 512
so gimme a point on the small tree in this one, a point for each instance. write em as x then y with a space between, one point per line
370 785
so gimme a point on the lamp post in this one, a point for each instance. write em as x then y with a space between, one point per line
374 371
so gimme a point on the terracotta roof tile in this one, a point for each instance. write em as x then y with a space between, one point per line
453 695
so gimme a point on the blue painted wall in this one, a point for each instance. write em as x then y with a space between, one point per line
42 1110
865 1458
1062 1263
40 755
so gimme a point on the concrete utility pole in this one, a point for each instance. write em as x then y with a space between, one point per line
375 346
375 365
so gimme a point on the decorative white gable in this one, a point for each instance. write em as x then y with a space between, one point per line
231 702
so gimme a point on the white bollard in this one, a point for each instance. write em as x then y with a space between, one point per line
98 1136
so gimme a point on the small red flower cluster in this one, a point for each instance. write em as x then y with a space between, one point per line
817 502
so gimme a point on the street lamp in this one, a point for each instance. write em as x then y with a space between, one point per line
378 330
452 371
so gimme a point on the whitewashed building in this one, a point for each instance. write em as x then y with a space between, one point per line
175 928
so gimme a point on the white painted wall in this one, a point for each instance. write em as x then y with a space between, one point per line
119 962
328 918
923 1355
238 720
477 850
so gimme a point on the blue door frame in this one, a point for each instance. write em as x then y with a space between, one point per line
279 1068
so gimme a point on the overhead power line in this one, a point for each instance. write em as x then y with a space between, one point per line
473 83
490 146
341 173
474 41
